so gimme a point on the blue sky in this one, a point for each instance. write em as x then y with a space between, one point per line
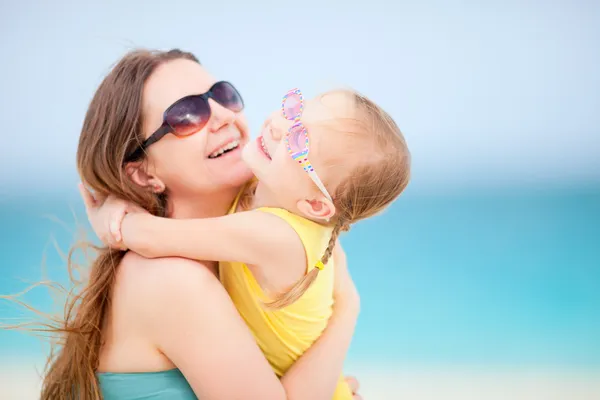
485 92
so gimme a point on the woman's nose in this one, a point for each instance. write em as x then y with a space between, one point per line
219 116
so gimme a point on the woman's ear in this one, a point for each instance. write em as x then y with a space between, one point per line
141 177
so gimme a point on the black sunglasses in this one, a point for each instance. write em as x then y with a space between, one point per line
190 114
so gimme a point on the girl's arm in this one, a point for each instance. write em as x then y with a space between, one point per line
251 237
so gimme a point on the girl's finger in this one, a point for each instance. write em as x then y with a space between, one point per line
353 384
88 198
115 226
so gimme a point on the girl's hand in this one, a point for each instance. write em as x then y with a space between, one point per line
354 386
106 214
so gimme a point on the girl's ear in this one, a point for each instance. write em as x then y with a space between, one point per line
320 208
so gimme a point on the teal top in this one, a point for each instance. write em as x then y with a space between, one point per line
167 385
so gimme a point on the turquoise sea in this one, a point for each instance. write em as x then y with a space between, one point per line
508 277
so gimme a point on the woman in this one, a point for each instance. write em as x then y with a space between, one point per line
165 328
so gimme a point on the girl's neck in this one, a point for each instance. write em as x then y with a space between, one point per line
263 198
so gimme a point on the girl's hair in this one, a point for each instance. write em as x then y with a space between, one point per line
112 128
369 187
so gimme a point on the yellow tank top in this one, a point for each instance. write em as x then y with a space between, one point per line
284 335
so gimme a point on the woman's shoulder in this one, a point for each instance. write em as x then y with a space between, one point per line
150 279
147 300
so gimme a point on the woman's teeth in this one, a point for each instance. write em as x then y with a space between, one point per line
228 147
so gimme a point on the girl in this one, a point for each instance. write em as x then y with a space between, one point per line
280 239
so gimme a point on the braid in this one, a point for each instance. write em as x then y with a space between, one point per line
337 229
307 280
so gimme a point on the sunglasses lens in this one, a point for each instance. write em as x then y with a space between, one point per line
297 139
227 95
188 115
292 104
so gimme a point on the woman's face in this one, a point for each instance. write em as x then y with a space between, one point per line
187 165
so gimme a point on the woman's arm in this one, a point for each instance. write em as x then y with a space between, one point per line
329 351
194 323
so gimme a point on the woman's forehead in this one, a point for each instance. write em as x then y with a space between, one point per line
173 80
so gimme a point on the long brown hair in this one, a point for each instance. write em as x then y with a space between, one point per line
111 129
367 188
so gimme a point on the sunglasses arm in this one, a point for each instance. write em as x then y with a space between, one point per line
155 137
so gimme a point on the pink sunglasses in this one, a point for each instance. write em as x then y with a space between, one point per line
296 139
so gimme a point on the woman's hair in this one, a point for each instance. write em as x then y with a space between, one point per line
368 187
112 129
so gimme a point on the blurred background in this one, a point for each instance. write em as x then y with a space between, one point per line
481 282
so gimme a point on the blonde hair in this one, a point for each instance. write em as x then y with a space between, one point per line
367 188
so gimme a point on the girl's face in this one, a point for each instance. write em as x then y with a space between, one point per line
283 177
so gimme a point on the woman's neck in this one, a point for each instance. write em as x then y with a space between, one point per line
207 205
